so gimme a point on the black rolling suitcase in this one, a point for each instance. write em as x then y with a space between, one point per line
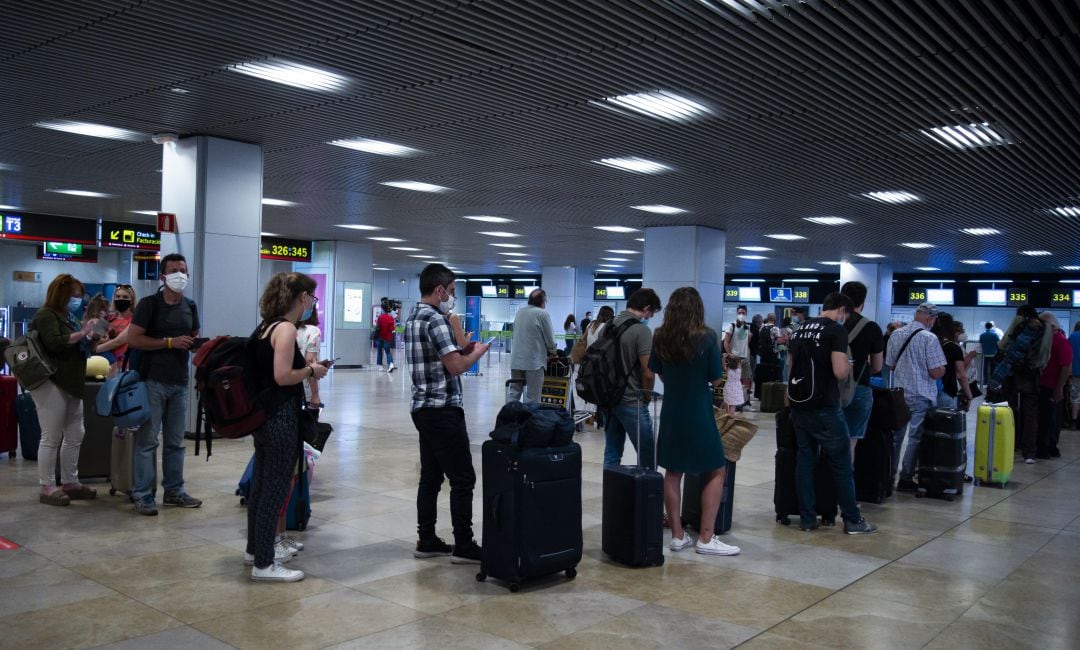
785 493
942 454
765 373
633 510
873 466
691 501
532 512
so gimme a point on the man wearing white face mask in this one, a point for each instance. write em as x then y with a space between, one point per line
436 363
737 343
163 330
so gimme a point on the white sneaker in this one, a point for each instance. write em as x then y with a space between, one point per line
679 544
716 547
282 553
293 543
276 573
390 368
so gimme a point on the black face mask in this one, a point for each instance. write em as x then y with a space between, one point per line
122 305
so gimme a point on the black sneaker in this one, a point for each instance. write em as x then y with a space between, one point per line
466 554
808 527
860 527
183 499
907 485
434 547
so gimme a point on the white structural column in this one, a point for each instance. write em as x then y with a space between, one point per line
686 256
878 279
560 284
214 187
352 264
583 292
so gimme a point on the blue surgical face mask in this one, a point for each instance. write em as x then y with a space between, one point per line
74 304
307 313
644 321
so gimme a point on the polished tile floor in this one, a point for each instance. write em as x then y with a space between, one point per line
998 568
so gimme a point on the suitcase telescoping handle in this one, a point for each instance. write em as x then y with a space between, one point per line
515 382
642 394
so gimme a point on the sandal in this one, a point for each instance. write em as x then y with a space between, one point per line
55 498
80 491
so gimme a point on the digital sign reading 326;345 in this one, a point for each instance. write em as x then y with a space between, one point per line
285 250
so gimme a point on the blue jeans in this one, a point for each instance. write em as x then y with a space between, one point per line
381 345
946 401
168 416
824 431
918 406
782 355
622 421
857 414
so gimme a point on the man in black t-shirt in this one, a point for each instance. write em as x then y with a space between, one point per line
867 349
817 360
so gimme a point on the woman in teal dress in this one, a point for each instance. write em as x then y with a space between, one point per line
686 355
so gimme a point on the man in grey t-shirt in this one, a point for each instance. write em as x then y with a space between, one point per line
533 343
635 346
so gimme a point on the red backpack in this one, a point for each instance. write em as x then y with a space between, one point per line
229 389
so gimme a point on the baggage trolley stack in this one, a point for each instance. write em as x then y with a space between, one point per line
558 389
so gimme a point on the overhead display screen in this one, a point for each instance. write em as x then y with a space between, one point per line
519 291
939 296
916 296
801 295
1061 298
115 234
616 292
750 294
488 291
30 226
1017 296
285 250
1076 298
731 294
995 297
67 252
502 291
781 294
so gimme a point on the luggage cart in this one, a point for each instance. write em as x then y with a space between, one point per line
558 389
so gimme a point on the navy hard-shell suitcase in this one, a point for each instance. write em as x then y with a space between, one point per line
532 512
633 512
29 427
691 501
873 466
9 421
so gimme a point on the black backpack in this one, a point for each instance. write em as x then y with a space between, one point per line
802 388
602 379
767 344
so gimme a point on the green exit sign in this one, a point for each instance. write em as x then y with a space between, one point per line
63 248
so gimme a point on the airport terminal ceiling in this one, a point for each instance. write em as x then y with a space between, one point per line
852 128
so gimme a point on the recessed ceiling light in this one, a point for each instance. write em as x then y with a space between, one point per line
1068 211
659 209
892 197
375 146
755 249
422 257
379 268
980 232
635 164
9 207
297 75
827 221
615 259
515 254
1036 253
831 263
640 239
498 233
616 228
95 130
487 219
269 234
974 262
280 203
509 266
753 257
403 248
179 91
927 268
415 185
623 251
786 237
662 104
500 245
611 266
151 213
85 193
870 256
915 244
1071 267
387 239
967 136
804 269
357 226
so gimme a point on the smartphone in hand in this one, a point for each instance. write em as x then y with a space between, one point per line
329 363
197 343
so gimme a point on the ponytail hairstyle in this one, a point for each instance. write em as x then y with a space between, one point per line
281 293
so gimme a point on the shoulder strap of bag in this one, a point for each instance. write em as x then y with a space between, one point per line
903 348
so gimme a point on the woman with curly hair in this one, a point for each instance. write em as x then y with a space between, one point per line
686 355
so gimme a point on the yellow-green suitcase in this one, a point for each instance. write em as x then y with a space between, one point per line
995 442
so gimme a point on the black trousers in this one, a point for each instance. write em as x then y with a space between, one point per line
1049 423
277 446
444 451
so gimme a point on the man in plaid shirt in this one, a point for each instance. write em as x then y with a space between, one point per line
436 363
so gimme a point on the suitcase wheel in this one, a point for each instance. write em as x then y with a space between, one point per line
784 521
11 454
480 577
243 500
828 522
571 573
515 587
919 495
112 492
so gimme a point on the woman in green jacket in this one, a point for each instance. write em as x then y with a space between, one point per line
59 401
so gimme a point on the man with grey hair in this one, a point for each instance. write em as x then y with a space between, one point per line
1052 389
915 357
533 343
